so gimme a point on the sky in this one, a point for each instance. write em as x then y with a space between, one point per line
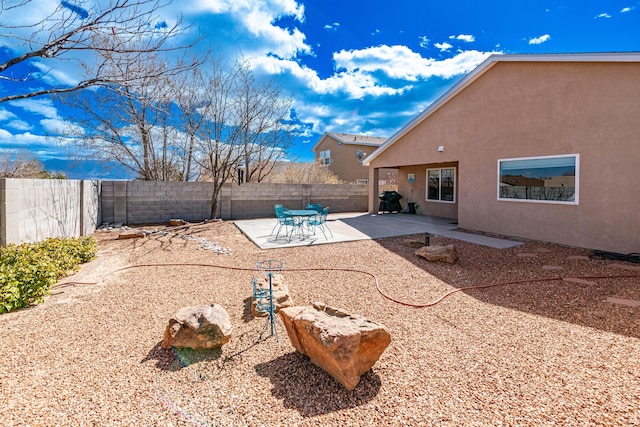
351 66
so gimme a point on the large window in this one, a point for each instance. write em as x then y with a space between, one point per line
550 179
325 157
441 185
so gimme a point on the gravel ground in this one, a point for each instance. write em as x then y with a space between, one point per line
532 353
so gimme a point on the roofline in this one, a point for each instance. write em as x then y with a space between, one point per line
485 66
345 141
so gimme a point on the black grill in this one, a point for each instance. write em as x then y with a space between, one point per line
390 201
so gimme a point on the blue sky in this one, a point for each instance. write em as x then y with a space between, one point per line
353 66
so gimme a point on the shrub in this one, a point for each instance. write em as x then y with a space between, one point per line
27 271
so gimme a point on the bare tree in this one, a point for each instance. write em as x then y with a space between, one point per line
302 173
218 138
261 109
88 33
23 164
130 122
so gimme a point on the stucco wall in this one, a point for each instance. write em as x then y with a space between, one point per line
523 109
35 209
344 162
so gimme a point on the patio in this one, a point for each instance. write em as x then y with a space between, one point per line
347 227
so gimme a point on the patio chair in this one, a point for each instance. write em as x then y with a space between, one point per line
320 221
315 207
282 220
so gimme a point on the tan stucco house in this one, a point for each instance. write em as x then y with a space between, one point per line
543 147
343 153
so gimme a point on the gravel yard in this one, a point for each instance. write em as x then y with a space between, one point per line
536 352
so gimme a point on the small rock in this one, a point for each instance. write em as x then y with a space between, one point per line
438 253
281 297
199 328
177 222
131 234
414 243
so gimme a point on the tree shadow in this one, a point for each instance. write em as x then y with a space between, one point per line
303 386
174 359
535 269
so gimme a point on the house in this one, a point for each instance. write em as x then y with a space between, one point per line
542 147
343 154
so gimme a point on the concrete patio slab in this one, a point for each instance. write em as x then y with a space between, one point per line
348 227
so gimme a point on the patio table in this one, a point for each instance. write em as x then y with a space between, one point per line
300 218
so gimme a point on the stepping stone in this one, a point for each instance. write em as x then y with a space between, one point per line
579 258
626 267
578 280
527 255
552 267
628 302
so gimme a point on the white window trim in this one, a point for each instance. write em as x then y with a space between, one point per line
551 202
455 185
325 157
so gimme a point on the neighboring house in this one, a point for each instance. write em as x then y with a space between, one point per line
343 154
543 147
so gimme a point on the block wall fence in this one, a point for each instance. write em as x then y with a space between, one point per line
140 202
32 209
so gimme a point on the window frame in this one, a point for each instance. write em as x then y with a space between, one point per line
455 184
576 198
325 157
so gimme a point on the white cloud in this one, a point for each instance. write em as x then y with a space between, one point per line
332 27
443 46
603 15
55 76
376 32
626 9
258 17
464 37
539 40
43 107
374 71
5 136
6 115
19 125
424 41
55 126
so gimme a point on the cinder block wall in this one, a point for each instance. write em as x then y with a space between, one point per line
140 202
32 210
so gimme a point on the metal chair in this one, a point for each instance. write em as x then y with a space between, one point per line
315 207
320 221
282 220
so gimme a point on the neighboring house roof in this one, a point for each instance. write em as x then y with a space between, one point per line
485 66
346 138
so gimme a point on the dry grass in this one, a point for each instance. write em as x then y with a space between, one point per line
534 353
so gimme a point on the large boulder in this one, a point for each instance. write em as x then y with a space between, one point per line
438 253
342 344
281 297
200 328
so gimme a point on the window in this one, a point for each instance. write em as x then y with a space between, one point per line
325 157
549 179
441 185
